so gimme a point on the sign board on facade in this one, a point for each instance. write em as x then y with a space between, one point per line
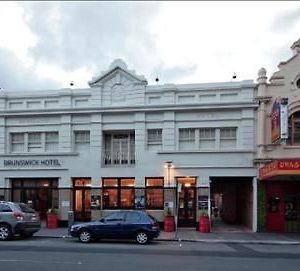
31 162
275 122
279 120
279 168
284 119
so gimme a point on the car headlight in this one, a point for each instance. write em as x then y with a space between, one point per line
74 228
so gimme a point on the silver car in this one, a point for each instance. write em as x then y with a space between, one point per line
17 219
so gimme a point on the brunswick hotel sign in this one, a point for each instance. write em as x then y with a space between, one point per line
31 162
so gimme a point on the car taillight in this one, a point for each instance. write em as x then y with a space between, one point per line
19 216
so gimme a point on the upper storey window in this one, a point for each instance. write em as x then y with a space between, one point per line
294 129
81 140
228 137
34 142
119 149
154 139
186 138
208 138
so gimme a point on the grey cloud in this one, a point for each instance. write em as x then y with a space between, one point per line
76 34
286 20
173 74
15 76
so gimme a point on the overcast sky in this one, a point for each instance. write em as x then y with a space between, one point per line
45 45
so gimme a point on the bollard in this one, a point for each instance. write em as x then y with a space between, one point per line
70 220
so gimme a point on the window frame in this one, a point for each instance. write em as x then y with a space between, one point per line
157 136
154 187
16 142
292 121
31 145
211 138
228 138
114 150
51 141
118 188
35 142
186 136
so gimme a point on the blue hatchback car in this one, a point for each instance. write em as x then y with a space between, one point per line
130 224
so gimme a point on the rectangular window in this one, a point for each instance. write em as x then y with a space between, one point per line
227 138
35 142
154 136
154 139
154 193
119 149
51 141
118 193
207 138
17 142
81 140
186 139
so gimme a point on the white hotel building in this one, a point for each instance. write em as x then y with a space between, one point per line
106 147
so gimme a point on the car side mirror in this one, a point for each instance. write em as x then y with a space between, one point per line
102 220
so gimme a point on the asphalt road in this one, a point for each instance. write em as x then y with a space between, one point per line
68 254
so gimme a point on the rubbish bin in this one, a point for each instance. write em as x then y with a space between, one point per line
204 224
169 224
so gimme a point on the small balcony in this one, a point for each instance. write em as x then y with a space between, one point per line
118 160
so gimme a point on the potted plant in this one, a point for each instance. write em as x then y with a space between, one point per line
52 218
169 221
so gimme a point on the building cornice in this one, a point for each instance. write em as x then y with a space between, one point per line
125 109
264 99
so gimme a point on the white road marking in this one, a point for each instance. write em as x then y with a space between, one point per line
34 261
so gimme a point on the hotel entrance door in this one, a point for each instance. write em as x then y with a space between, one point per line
82 199
186 201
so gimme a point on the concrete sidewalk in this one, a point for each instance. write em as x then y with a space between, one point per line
191 235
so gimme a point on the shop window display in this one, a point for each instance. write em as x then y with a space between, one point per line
118 193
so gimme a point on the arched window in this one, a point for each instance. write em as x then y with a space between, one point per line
294 129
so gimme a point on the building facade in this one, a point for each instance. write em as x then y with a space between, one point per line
278 149
124 144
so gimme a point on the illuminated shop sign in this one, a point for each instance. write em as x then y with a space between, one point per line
280 168
31 162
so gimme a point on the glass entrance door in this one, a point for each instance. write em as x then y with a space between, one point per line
186 201
82 199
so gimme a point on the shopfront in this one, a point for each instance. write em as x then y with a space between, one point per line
281 180
39 193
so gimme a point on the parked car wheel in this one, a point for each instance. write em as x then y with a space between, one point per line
5 232
85 236
142 237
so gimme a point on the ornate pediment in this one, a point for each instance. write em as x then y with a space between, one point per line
118 76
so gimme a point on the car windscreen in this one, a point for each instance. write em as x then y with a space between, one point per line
25 208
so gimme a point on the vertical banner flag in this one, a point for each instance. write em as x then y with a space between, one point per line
284 119
275 122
